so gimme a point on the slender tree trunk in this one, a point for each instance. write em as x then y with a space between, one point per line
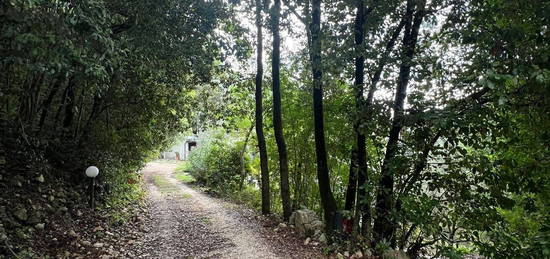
360 106
277 115
266 196
351 190
243 151
69 108
385 224
47 103
327 198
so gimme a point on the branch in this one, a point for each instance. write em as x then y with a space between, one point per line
292 9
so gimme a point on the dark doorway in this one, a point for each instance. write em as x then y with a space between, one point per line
191 145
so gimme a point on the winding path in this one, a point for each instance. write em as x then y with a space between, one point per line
184 223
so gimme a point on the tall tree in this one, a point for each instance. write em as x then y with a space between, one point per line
266 203
277 114
361 149
385 224
327 198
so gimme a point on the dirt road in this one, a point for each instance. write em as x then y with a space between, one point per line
184 223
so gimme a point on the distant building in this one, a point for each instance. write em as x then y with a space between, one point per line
181 149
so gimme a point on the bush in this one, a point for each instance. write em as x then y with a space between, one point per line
217 163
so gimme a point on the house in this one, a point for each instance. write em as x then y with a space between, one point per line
181 149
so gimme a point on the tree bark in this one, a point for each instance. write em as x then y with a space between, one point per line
266 200
360 106
385 224
277 114
327 198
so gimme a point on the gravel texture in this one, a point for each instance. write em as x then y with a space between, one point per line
186 223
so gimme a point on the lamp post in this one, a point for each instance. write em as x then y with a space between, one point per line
92 172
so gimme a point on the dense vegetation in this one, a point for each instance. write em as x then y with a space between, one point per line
423 122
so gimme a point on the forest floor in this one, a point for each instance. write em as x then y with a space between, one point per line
183 222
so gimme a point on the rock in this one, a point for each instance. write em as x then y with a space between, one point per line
51 198
40 226
323 238
35 218
72 233
339 256
282 225
317 234
21 234
40 178
395 254
306 222
346 254
306 242
98 228
358 254
86 243
98 245
79 213
368 253
21 214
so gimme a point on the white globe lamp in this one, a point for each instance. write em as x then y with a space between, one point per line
92 171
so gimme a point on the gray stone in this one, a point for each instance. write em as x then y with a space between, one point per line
40 178
72 233
306 222
40 226
323 238
21 214
98 245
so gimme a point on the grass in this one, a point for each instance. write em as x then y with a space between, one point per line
181 173
184 177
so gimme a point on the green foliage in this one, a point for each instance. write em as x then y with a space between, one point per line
216 163
184 177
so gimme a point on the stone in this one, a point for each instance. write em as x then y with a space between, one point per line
317 234
21 214
35 218
98 228
346 254
368 253
395 254
40 178
305 221
86 243
323 238
339 256
40 226
358 254
282 225
98 245
306 242
79 213
72 233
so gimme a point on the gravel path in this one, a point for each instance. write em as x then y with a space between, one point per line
184 223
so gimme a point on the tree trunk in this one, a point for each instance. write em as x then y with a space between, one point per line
351 190
243 165
327 198
385 224
360 106
277 116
